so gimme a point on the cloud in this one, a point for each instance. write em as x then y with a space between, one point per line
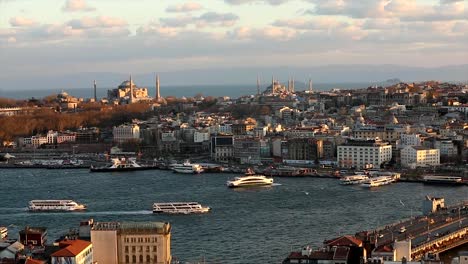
21 22
319 23
96 22
271 2
186 7
76 6
204 20
269 32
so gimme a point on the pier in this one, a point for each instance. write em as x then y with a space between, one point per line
418 238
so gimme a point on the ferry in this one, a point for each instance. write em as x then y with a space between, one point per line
55 205
122 164
187 168
353 179
442 179
378 181
3 232
249 179
180 208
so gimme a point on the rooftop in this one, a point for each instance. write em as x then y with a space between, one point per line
71 248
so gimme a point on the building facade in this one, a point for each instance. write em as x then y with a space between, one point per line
73 252
417 156
126 133
364 153
132 242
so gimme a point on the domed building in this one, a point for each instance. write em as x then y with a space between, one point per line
128 92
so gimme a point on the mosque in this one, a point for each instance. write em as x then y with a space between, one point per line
128 92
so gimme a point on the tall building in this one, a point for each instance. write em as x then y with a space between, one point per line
364 153
132 242
418 156
125 133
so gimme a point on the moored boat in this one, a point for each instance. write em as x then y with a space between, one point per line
378 181
187 168
123 164
353 179
180 208
434 179
55 205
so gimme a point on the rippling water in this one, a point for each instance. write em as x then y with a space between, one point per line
244 226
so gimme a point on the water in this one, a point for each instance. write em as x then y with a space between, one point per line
233 91
244 226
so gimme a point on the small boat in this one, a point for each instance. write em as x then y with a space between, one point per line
123 164
353 179
55 205
442 179
378 181
3 232
187 168
180 208
250 179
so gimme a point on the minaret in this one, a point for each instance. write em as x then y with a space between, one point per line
289 84
310 85
95 95
272 84
292 85
131 90
158 95
258 86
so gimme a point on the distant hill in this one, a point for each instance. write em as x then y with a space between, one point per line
247 75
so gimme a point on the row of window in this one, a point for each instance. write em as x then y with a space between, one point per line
141 259
140 249
141 240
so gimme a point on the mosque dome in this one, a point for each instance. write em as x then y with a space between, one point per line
126 84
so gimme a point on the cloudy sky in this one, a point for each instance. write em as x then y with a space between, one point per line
68 36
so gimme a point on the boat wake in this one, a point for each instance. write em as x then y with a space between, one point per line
277 184
141 212
26 212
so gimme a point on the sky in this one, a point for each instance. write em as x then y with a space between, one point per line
49 37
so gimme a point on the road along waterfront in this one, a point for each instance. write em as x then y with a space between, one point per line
245 225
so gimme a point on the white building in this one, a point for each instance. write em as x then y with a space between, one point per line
409 140
364 153
124 133
199 137
417 156
52 137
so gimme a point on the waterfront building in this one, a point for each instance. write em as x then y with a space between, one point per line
222 148
418 156
132 242
73 251
35 236
304 149
247 150
364 153
126 133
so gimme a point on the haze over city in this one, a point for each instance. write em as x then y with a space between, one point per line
43 41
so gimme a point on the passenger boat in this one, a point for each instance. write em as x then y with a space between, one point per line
55 205
123 164
378 181
3 232
187 167
353 179
249 179
442 179
180 208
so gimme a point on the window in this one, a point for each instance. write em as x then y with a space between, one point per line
127 258
154 249
141 258
133 249
126 249
134 259
148 259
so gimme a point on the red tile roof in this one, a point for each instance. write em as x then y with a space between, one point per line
344 241
341 253
71 248
34 261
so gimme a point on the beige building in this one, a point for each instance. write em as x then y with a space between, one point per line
132 242
125 133
417 156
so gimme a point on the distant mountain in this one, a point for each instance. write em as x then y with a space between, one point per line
247 75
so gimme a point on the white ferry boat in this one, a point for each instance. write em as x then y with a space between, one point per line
378 181
187 167
353 179
122 164
442 179
3 232
180 208
249 179
55 205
